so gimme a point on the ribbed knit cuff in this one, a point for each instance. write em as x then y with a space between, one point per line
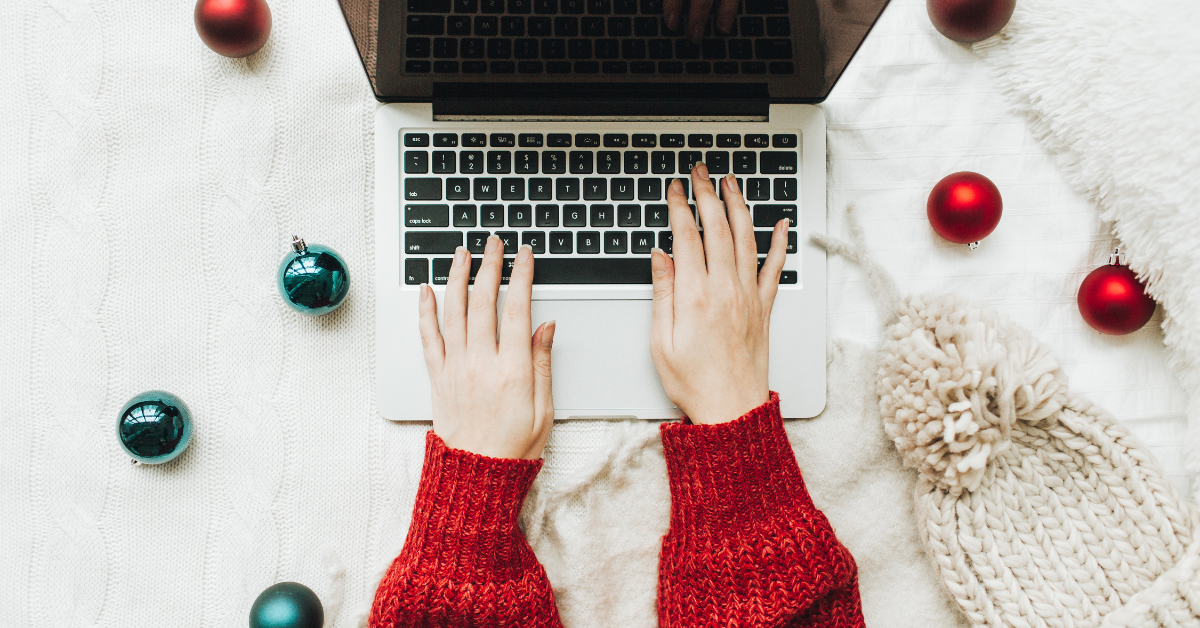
732 476
464 524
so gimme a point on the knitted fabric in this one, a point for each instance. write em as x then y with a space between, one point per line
1037 507
745 546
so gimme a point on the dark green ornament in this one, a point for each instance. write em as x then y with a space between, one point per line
313 279
154 427
287 605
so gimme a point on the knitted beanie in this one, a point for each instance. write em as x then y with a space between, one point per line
1036 506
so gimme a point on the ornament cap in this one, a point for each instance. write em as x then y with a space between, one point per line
1116 258
974 245
298 245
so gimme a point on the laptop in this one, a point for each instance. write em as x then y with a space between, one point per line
560 124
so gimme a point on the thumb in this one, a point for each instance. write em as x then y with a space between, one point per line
543 395
662 318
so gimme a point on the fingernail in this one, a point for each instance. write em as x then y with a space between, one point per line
672 22
460 255
701 169
524 254
677 186
493 243
548 334
424 292
725 25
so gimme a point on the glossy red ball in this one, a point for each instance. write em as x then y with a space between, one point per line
964 207
969 21
1113 301
234 28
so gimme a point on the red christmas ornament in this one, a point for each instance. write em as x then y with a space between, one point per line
964 207
234 28
969 21
1113 301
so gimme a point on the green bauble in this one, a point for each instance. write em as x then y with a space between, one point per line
154 427
313 279
287 605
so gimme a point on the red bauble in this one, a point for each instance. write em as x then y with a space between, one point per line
964 207
1113 301
234 28
969 21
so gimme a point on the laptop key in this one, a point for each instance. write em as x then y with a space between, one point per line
641 67
426 215
445 47
520 216
713 48
539 27
757 189
688 160
536 241
741 49
599 7
779 27
766 6
558 140
520 7
554 161
512 189
510 241
425 25
586 242
608 162
416 162
752 26
645 140
699 67
660 49
443 140
620 27
777 162
581 160
574 215
474 139
545 7
529 140
616 140
566 26
685 49
640 242
546 215
587 67
763 240
595 189
422 189
414 65
608 49
601 216
486 25
491 6
615 243
526 161
656 216
417 47
662 162
477 242
474 67
566 189
629 215
625 7
579 49
651 7
527 49
466 6
649 189
622 189
754 67
773 49
464 215
458 189
499 162
645 27
416 271
428 6
700 140
784 140
717 161
503 140
665 239
432 242
788 277
470 161
636 162
499 48
540 189
782 67
785 189
769 215
572 7
458 25
561 243
587 140
485 189
491 215
729 140
744 162
592 26
512 26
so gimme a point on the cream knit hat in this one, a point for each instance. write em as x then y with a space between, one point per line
1036 506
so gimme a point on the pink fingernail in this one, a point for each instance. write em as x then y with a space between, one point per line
460 255
524 254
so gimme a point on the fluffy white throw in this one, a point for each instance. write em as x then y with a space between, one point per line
1110 86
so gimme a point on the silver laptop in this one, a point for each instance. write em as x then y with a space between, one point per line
560 124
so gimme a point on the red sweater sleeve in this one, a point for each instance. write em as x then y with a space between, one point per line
465 561
746 547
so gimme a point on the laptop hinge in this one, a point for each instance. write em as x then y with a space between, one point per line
599 102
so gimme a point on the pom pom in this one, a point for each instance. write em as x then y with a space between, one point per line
953 382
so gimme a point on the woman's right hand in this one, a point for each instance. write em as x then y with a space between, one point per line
712 306
490 398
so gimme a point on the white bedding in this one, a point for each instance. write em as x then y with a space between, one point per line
147 192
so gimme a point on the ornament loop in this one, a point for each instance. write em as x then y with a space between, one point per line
974 245
1116 257
298 245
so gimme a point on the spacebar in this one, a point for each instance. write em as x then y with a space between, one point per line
582 270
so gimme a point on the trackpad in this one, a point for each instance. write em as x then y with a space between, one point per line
601 357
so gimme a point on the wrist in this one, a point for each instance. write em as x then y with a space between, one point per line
726 408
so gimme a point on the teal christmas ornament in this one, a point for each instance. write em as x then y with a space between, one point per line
313 279
287 605
154 427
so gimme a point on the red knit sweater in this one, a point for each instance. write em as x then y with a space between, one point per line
746 547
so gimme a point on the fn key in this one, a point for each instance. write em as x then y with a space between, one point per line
416 271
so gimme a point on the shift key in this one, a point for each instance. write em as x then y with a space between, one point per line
432 242
423 189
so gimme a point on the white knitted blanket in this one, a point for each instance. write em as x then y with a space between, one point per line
148 189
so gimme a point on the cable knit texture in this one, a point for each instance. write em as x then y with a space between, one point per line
465 562
746 546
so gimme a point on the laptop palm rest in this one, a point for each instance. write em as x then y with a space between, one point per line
602 366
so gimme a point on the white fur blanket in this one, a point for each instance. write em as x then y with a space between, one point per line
1111 87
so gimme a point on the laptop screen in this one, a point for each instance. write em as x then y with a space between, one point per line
591 57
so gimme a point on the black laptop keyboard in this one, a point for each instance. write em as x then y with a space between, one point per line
590 205
589 37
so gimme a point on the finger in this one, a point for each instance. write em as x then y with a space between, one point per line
726 13
514 328
745 249
686 247
671 12
481 313
718 245
697 18
454 309
662 314
431 336
768 277
543 395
